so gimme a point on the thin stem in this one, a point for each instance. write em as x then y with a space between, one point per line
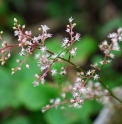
102 66
9 47
100 80
110 91
77 67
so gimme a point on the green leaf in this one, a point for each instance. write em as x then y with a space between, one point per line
17 120
8 89
86 47
25 74
109 26
72 115
54 45
60 117
34 98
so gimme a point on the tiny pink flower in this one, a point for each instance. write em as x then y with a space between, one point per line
16 33
67 30
43 49
44 28
28 32
88 72
57 101
70 19
35 83
42 80
96 76
77 37
54 72
27 66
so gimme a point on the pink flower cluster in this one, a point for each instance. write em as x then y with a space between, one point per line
83 87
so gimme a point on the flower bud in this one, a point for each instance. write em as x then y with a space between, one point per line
14 28
39 29
1 32
68 26
9 55
74 24
15 19
13 69
27 66
6 58
23 26
12 72
3 62
19 68
20 44
17 60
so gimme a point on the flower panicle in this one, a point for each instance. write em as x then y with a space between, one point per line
87 83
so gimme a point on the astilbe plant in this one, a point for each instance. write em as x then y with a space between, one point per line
87 84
